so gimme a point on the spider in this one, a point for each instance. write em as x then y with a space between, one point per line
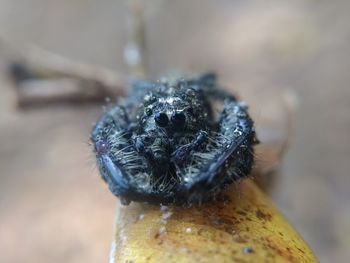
179 142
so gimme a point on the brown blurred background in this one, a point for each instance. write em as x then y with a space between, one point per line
54 207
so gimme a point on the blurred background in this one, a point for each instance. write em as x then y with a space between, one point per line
53 205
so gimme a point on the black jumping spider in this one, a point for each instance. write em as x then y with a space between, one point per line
179 142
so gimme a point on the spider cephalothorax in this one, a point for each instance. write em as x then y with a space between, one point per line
174 142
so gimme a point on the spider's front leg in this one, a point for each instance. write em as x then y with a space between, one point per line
109 136
233 156
181 153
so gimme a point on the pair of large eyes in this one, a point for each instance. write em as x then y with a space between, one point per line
178 119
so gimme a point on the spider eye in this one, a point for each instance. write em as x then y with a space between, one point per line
161 119
178 119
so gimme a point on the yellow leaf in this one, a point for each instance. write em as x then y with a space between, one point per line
241 226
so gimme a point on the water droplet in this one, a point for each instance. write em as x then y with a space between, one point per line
237 132
248 250
188 230
165 217
162 230
241 114
243 104
163 208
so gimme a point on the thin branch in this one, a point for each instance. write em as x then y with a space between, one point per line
42 77
135 49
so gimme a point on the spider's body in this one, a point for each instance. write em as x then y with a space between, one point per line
165 143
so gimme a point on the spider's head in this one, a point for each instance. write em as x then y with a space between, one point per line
175 113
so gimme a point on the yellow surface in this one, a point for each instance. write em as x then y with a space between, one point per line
242 226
